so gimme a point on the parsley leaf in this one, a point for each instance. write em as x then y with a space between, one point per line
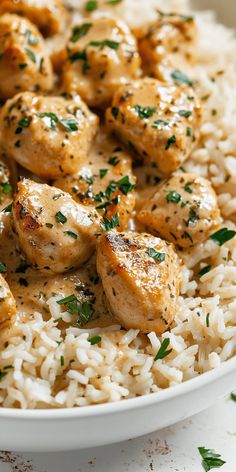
211 460
60 217
95 340
84 311
107 224
233 396
181 78
69 124
163 352
2 374
3 268
102 173
125 185
6 187
80 31
31 55
106 42
157 256
173 197
160 123
185 113
91 5
144 112
71 234
49 119
171 140
115 112
222 236
204 271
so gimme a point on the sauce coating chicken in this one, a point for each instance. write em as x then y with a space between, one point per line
183 210
49 136
54 231
5 185
168 45
102 55
140 277
48 15
159 122
7 305
24 61
106 180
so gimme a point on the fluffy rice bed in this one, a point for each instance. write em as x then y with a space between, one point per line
50 369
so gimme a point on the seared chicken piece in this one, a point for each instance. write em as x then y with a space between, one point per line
49 136
168 46
7 305
24 61
54 231
140 277
102 55
106 181
159 122
183 210
48 15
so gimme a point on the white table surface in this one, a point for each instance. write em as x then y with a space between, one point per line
171 450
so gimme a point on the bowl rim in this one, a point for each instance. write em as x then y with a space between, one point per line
142 401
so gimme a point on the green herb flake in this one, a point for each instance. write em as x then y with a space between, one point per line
160 124
91 5
208 320
214 112
210 459
7 209
204 271
84 311
115 112
23 65
185 113
173 197
125 185
145 112
50 119
31 55
6 187
2 374
113 161
62 360
102 173
80 31
69 125
95 340
186 235
181 78
60 217
107 224
163 352
71 234
157 256
187 188
171 140
189 132
233 396
113 2
3 268
223 236
105 43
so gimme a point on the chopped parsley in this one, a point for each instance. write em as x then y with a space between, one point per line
125 185
113 161
3 268
78 56
187 188
222 236
71 234
23 65
181 78
2 374
95 340
7 209
31 55
186 235
185 113
69 124
49 119
107 224
60 217
208 320
91 5
144 112
6 187
210 459
173 197
23 123
102 173
214 112
233 396
80 31
163 352
62 360
22 268
204 271
84 310
193 217
171 140
115 112
189 131
113 2
106 42
157 256
160 123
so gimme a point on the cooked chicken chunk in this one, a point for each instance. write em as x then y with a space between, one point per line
49 136
7 305
24 61
140 277
106 180
48 15
183 210
168 45
54 231
157 121
102 55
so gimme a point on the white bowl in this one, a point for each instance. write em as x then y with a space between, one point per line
75 428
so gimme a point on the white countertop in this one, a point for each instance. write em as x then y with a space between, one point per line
171 450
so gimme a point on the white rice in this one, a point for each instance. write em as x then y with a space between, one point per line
51 371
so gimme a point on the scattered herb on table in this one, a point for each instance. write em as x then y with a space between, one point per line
210 459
